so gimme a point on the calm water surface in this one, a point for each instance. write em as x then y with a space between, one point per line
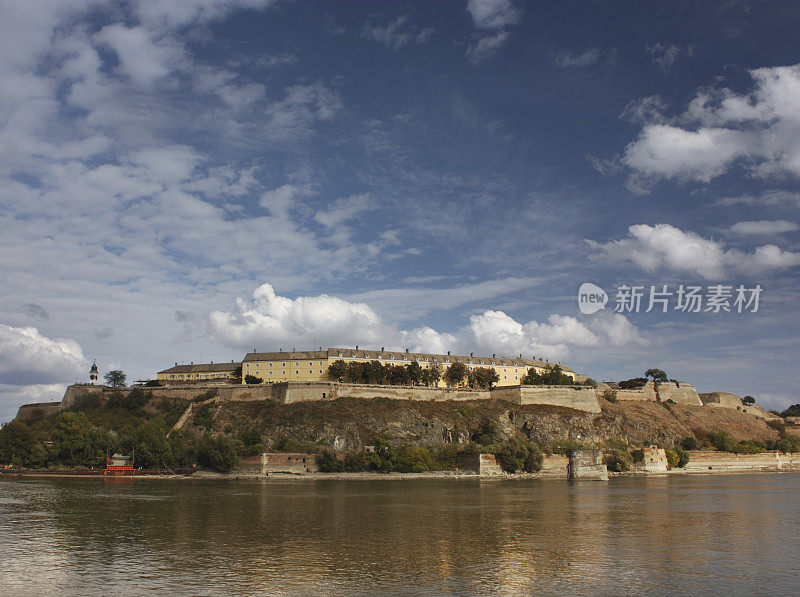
704 535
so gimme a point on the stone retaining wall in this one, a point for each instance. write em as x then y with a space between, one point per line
704 461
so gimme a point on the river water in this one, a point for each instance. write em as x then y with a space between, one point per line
737 534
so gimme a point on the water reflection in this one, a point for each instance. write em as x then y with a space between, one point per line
427 536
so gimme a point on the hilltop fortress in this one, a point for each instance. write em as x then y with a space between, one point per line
290 377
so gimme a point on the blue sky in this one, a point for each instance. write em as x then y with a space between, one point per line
188 181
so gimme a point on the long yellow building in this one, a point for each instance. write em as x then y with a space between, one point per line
199 372
313 365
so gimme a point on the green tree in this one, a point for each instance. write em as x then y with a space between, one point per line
337 370
483 377
252 380
657 375
748 400
432 375
151 447
115 378
456 373
19 447
414 372
71 439
550 376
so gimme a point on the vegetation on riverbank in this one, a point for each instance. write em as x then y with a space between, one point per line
408 436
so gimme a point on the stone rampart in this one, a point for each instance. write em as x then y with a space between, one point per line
587 464
555 466
655 460
32 412
481 464
576 397
680 392
728 400
705 461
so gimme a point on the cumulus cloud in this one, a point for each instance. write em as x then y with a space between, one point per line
492 16
12 397
722 128
269 320
27 357
764 227
668 247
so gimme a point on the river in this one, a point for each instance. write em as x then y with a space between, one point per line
734 534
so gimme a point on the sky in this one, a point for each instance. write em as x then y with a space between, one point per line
189 181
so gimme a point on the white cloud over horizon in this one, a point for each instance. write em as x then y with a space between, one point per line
29 358
270 319
668 247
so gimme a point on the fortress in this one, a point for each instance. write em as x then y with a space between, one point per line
312 366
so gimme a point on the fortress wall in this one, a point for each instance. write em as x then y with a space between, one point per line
646 393
75 391
29 412
577 397
555 465
704 461
682 393
723 399
411 393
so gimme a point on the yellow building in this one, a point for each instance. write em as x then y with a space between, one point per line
200 372
313 365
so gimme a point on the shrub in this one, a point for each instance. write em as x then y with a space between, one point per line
789 444
673 459
486 433
516 455
688 443
632 384
637 456
618 460
252 379
204 417
220 453
610 395
683 457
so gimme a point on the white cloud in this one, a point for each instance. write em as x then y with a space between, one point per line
492 14
269 320
142 59
345 209
396 34
721 128
663 54
764 227
664 246
27 357
587 58
487 46
672 152
770 197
